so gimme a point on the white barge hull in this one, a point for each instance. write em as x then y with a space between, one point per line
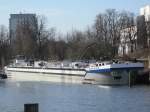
107 79
52 75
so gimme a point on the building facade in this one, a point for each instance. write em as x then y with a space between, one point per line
145 11
21 20
128 39
130 44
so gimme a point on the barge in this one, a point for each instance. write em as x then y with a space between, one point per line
104 73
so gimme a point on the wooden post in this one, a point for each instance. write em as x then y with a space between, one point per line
130 79
31 107
2 62
148 61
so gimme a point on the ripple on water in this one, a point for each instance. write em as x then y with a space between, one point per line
57 97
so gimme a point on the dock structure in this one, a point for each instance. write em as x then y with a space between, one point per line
132 78
144 76
136 78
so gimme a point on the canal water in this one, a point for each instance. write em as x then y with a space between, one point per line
59 97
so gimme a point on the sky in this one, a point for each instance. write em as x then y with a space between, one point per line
66 15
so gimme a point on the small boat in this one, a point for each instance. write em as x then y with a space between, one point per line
111 73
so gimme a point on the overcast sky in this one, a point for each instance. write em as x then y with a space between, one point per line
67 14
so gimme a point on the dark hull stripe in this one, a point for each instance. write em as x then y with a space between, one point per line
112 69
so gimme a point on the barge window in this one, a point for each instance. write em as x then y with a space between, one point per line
117 77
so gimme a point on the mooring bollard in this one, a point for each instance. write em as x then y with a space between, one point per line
130 79
31 107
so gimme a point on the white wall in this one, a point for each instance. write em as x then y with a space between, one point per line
146 12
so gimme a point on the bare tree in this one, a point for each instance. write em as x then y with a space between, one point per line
128 32
44 37
102 39
25 41
76 41
107 28
148 32
4 46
